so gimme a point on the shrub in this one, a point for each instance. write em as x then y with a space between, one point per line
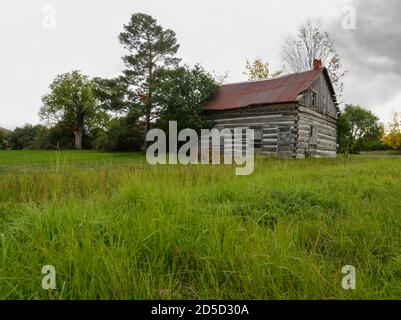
28 137
124 134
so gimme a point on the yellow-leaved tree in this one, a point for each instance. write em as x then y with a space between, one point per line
392 138
259 70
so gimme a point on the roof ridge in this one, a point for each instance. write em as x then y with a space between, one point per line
270 79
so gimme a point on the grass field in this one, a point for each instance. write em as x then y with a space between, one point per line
115 228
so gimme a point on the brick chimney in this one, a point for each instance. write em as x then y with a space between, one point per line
317 64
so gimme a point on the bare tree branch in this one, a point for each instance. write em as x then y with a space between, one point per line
299 52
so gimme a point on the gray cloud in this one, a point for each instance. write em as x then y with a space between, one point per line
371 54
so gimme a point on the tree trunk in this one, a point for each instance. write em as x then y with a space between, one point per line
149 103
147 128
78 138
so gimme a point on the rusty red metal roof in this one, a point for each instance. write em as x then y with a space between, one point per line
277 90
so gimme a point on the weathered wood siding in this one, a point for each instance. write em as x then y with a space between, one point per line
267 118
324 101
326 134
323 116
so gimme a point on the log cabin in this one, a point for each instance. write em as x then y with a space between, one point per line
292 116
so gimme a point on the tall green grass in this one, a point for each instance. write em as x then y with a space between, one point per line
200 232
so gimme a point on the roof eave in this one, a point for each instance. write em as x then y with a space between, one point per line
254 105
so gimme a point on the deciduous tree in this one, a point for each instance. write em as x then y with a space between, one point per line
300 51
392 139
358 129
72 101
259 70
181 94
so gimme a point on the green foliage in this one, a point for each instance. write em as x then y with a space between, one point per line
41 140
39 137
259 70
116 228
182 93
153 88
3 141
123 134
72 100
151 48
28 137
358 130
61 136
114 95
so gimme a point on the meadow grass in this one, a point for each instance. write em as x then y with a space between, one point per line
115 228
32 160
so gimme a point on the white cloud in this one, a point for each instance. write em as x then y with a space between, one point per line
385 112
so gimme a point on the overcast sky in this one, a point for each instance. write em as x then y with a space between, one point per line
40 39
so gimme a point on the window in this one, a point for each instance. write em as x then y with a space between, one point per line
284 138
314 99
313 136
258 138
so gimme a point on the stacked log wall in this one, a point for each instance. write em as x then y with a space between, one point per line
269 118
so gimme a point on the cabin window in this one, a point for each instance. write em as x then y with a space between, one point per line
313 136
314 99
284 138
258 137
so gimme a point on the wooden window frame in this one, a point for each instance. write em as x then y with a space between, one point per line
314 99
258 139
314 133
286 129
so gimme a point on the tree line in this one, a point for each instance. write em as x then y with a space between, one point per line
154 88
116 114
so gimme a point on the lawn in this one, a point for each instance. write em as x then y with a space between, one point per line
28 161
116 228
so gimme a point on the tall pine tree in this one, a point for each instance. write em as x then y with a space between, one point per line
151 48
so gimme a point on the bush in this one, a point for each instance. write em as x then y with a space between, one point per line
29 137
124 134
61 137
3 141
359 130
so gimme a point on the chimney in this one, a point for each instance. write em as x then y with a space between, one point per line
317 64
